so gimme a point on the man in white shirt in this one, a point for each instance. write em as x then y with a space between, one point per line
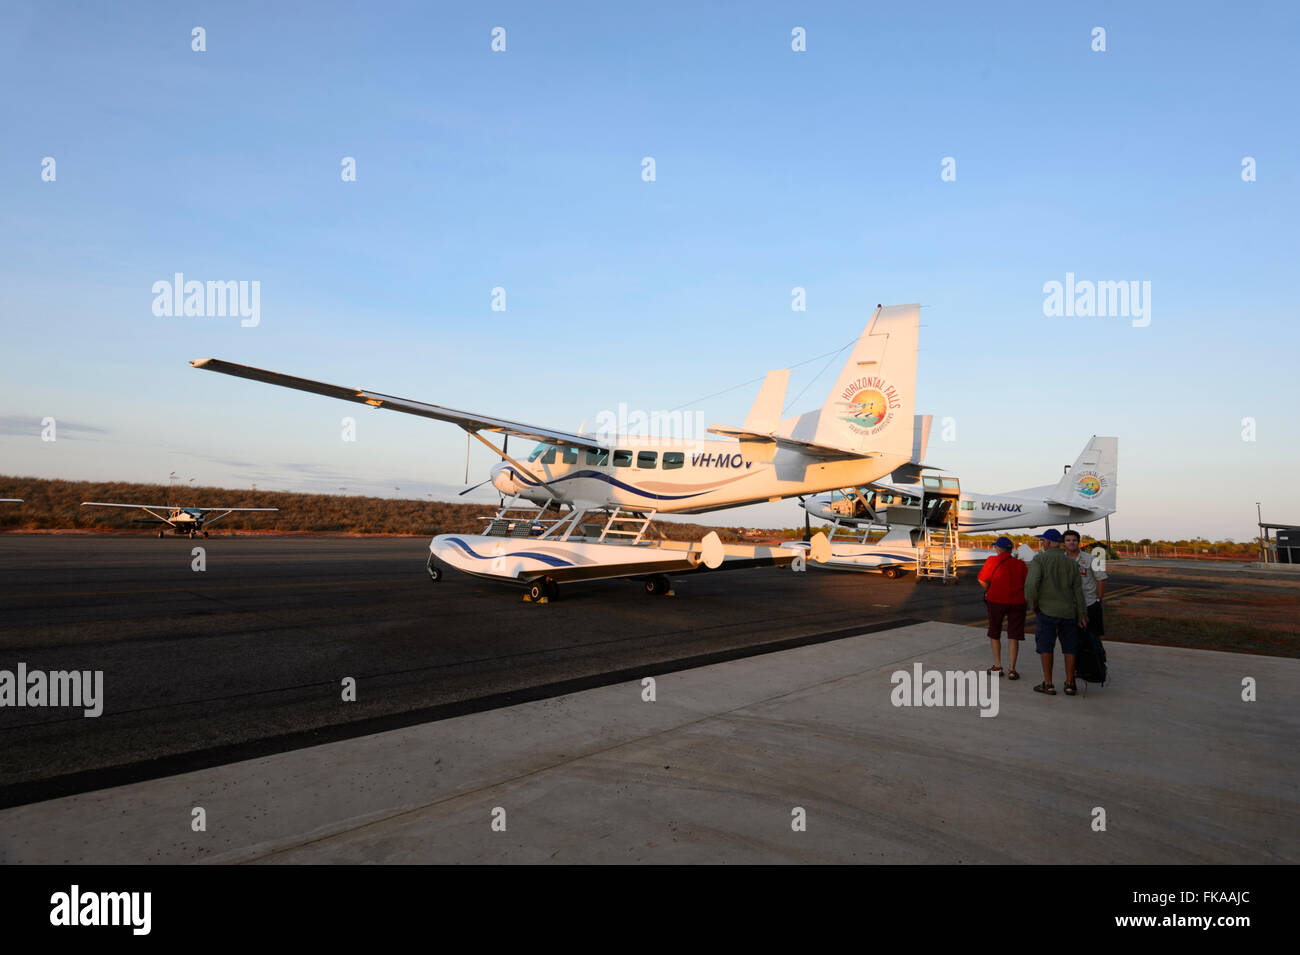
1094 582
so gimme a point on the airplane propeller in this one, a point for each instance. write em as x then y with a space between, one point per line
474 488
505 448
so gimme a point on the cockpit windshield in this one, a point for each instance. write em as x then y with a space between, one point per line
538 452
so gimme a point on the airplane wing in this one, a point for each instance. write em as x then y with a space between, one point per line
170 506
102 504
232 510
467 420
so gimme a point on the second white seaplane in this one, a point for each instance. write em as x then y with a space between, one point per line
613 485
923 518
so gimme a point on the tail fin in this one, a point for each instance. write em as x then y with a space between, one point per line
871 407
1091 480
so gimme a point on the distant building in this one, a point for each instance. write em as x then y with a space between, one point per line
1288 545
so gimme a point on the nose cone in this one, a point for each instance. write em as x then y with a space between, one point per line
503 479
818 506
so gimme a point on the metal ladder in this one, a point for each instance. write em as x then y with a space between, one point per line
513 519
627 524
936 552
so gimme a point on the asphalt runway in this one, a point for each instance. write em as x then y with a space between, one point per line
248 657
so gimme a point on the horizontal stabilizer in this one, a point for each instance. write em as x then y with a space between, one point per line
741 435
823 451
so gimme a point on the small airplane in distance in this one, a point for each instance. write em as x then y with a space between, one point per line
186 521
861 433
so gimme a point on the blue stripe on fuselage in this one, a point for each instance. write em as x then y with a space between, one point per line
607 479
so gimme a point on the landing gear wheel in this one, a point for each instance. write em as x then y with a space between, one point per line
205 535
545 587
160 535
893 573
657 585
435 572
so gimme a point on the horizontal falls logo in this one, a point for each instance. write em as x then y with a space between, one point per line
1090 483
870 403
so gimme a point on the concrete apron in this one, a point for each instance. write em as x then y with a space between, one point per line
714 769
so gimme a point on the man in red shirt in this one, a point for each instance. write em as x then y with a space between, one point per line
1003 580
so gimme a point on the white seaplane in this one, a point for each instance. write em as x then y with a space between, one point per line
186 521
613 486
916 516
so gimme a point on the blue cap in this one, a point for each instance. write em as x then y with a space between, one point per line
1004 543
1051 534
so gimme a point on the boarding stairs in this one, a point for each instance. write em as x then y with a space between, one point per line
936 551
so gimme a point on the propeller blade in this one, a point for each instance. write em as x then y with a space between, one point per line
474 488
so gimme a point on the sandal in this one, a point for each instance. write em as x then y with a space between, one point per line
1045 687
997 670
1013 675
1070 689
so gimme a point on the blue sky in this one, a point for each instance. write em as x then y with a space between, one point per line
775 169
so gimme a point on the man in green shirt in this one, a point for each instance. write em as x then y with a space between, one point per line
1054 592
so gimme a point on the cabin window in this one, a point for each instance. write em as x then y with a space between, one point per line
622 459
570 455
647 459
887 498
673 459
968 505
549 456
598 458
537 452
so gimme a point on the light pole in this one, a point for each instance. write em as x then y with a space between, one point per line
1263 553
